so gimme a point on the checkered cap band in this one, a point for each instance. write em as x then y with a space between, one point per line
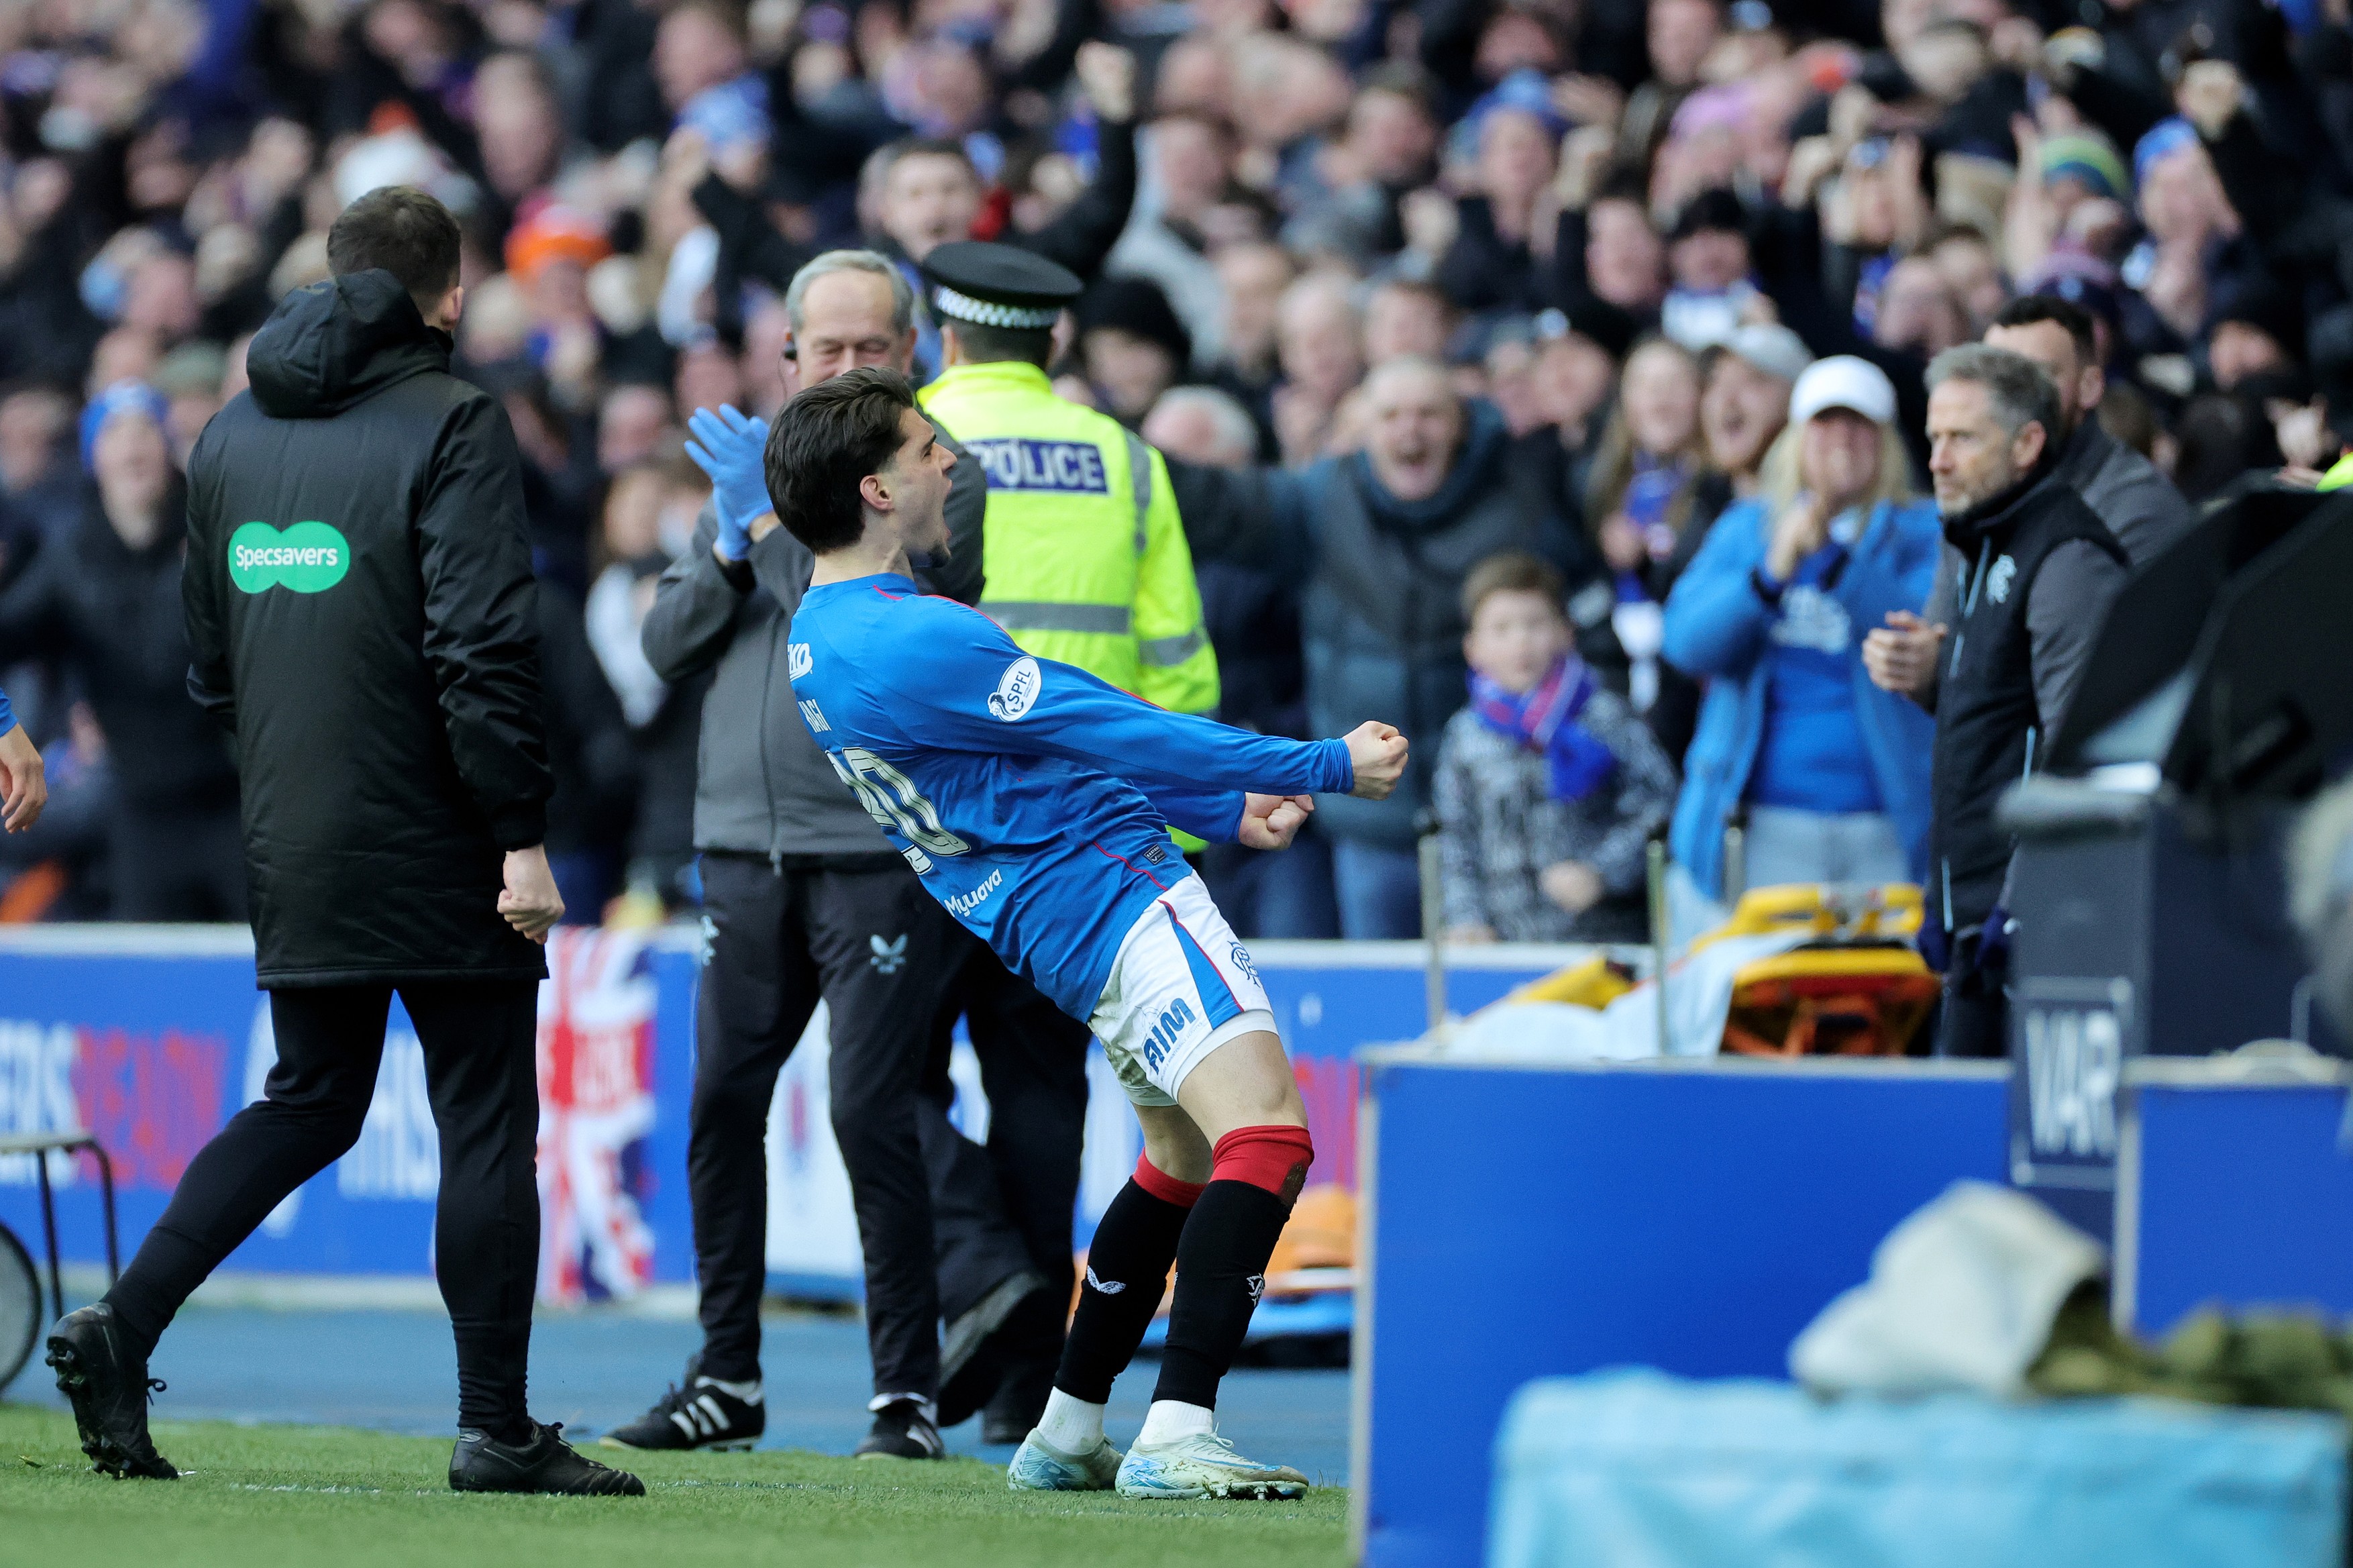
988 313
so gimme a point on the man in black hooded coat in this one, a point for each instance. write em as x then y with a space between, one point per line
361 618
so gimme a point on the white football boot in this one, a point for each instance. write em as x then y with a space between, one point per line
1204 1464
1040 1467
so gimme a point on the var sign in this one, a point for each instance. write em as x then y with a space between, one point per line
2068 1044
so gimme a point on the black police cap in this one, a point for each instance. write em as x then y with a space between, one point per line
998 285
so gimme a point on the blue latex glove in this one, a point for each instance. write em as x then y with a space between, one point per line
732 448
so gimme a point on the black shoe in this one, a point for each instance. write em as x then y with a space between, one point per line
1032 1338
902 1431
698 1414
1019 1401
480 1463
980 1344
109 1386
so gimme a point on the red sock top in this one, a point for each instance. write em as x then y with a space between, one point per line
1163 1186
1274 1157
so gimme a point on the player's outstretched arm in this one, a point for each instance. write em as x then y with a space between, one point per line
974 689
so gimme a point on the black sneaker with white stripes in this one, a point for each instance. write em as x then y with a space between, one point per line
702 1414
902 1430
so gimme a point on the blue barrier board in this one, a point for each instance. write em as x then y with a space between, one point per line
2238 1195
1530 1222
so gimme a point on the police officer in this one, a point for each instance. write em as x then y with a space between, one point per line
1085 561
1086 556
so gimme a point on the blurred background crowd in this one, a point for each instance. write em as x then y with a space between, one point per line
1533 280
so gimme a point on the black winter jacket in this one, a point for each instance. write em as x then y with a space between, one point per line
362 615
111 613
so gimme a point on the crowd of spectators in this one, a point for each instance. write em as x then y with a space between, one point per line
1472 329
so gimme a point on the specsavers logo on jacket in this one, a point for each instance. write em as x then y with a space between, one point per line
308 558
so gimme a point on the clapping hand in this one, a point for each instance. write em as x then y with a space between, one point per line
732 447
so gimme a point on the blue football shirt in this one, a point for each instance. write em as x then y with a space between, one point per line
1033 799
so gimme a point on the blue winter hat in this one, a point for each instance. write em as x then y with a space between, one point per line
1525 90
2167 137
123 397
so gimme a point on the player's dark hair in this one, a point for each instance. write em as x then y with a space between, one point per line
404 231
826 440
996 345
2027 309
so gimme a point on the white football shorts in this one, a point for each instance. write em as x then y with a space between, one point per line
1182 985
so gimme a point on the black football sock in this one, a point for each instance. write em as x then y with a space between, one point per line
1127 1270
1221 1270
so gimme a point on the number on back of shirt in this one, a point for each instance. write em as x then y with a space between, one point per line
892 799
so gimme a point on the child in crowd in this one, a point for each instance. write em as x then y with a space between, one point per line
1548 785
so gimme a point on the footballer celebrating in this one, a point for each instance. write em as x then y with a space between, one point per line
1035 801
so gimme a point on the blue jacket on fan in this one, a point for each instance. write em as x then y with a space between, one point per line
1719 629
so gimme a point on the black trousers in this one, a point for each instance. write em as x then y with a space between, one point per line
1975 1020
874 947
1033 1068
480 1074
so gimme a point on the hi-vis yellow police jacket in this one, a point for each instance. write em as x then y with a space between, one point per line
1084 554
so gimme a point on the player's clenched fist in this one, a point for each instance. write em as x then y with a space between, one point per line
1272 821
1378 753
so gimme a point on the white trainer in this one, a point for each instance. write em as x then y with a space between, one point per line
1204 1464
1040 1467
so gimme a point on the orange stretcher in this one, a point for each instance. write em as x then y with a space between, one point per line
1857 988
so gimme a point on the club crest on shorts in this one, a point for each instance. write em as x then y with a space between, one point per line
1017 690
1242 962
1256 1284
890 957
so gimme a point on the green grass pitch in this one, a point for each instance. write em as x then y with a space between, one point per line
324 1496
